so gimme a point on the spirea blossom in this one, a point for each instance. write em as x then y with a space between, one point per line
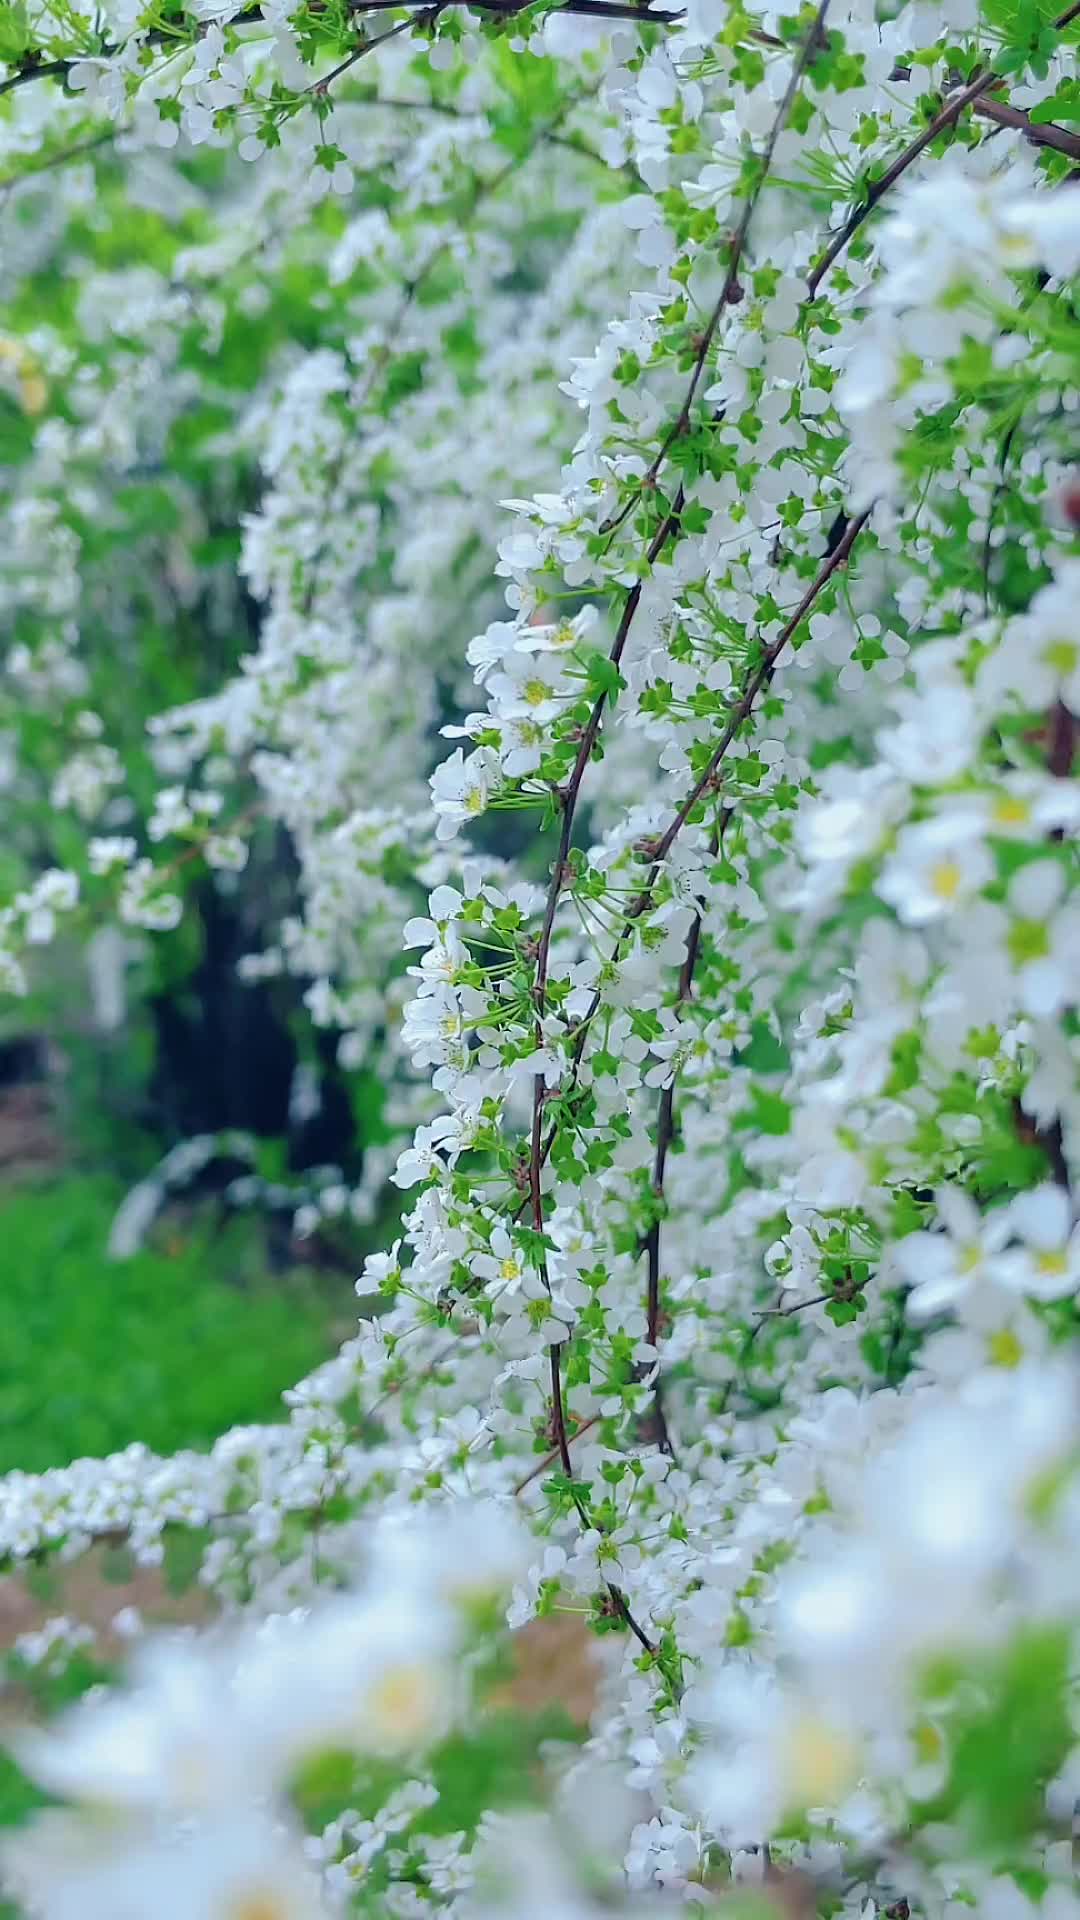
650 473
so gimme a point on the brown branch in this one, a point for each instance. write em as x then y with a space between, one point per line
948 115
800 1306
366 46
1061 747
1040 134
665 1134
760 678
549 1459
976 89
558 1422
32 67
834 560
35 69
592 9
730 291
569 794
569 799
1049 1140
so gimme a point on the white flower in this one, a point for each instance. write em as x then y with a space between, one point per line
1047 1265
242 1865
1038 658
941 1268
374 1675
523 745
503 1267
936 867
166 1743
775 1755
490 648
105 855
531 686
849 820
460 789
1048 226
937 737
559 637
1043 945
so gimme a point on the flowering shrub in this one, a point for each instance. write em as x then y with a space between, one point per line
735 1071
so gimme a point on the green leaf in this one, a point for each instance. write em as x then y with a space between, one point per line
604 675
184 1548
118 1565
1012 1741
768 1113
1062 105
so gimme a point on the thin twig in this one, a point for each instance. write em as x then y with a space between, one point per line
569 794
35 70
1006 447
365 47
665 1134
549 1459
1041 134
32 68
62 158
729 291
982 84
591 9
569 799
799 1306
759 679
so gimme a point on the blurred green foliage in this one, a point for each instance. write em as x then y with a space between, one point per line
171 1347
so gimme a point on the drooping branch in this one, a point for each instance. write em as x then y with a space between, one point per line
570 793
976 90
1040 134
665 1135
729 290
33 67
759 679
569 800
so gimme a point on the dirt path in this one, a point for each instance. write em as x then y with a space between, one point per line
556 1664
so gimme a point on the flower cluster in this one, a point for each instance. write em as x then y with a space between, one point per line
738 1247
194 1762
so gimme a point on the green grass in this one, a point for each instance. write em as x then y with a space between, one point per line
171 1347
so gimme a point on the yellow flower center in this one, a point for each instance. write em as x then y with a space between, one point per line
402 1703
819 1763
1015 249
1061 655
945 879
1004 1348
258 1903
33 392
